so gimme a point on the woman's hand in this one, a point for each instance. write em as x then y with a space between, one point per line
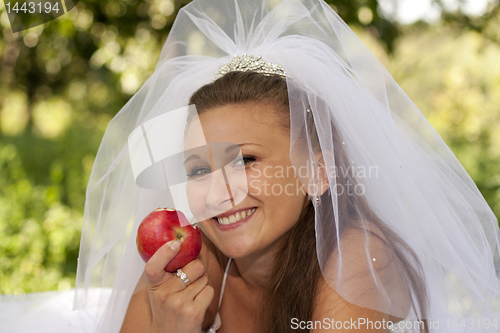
177 306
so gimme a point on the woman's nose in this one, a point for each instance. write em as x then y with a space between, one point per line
219 196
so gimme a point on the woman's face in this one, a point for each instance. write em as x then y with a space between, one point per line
272 195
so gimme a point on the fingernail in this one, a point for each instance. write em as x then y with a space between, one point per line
175 245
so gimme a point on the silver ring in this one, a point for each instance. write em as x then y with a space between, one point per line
183 277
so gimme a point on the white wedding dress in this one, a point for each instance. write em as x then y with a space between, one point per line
43 312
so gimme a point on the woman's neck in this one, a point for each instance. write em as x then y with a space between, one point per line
255 270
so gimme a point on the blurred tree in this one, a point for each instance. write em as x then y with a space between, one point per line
485 24
457 87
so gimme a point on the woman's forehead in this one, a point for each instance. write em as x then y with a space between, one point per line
256 123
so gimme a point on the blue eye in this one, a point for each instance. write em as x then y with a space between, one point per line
196 172
201 171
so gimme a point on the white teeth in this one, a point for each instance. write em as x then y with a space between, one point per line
235 217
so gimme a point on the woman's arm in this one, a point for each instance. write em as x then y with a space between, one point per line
138 317
174 306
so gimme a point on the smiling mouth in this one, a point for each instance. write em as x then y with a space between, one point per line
235 217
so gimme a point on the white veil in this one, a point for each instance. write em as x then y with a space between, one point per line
417 213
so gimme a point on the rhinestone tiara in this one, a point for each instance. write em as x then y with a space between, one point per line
250 63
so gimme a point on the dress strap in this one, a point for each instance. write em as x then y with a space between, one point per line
224 283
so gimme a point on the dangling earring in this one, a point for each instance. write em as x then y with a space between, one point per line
317 201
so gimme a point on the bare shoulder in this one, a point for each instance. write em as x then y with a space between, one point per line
334 312
362 278
138 317
361 250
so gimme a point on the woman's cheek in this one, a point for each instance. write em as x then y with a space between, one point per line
254 170
255 181
254 187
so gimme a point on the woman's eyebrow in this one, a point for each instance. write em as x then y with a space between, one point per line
233 147
191 157
227 150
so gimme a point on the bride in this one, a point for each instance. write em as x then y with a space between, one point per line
325 199
269 234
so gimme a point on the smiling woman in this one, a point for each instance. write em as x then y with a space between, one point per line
284 86
272 215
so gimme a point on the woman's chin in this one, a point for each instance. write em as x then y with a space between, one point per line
235 249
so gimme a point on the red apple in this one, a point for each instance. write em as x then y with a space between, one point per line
161 226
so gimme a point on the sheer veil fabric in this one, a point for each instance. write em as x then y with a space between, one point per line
413 208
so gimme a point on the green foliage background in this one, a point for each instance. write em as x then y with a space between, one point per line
62 82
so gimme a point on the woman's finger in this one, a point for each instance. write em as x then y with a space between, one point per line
193 270
155 267
205 296
196 287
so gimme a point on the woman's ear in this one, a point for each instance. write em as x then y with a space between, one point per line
319 181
